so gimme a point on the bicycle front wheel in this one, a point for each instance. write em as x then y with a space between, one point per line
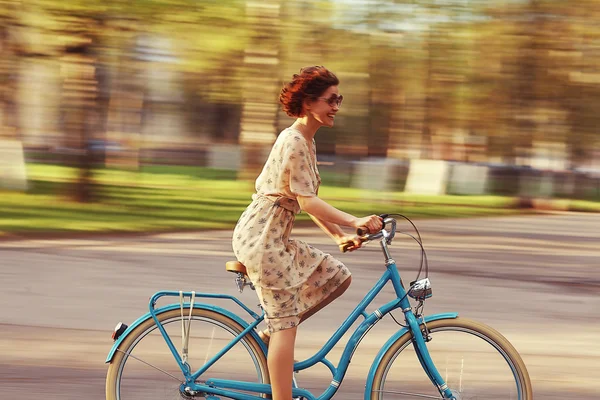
476 362
144 368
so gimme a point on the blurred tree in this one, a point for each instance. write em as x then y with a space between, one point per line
417 74
261 84
385 75
574 65
385 92
9 68
88 39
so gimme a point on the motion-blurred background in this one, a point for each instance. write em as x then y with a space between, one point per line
441 97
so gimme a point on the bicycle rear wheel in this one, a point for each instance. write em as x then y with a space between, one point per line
144 368
476 361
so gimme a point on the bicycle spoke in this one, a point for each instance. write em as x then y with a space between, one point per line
150 365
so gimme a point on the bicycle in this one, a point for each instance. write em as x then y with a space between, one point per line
459 358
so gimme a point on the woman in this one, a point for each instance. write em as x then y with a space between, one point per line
293 280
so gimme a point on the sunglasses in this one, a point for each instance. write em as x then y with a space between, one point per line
333 100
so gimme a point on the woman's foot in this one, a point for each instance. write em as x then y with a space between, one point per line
265 336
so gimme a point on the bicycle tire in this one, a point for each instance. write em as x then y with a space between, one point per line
491 346
148 381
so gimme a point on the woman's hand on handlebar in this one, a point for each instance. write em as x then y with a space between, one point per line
372 223
349 243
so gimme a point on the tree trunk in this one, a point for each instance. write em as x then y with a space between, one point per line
261 85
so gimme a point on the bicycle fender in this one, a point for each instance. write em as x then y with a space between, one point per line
390 342
170 307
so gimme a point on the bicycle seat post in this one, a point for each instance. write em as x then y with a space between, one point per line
239 282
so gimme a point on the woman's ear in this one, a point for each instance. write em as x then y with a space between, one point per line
306 106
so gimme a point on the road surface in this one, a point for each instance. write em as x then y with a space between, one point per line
534 278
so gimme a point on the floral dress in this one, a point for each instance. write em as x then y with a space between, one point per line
290 276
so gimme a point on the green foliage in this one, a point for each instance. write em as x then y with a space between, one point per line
180 198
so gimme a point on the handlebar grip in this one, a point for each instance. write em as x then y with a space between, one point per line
345 246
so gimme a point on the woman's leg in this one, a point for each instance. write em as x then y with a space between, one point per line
281 362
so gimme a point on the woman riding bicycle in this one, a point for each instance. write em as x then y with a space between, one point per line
293 280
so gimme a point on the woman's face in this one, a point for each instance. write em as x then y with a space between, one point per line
325 107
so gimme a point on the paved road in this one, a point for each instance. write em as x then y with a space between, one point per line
534 278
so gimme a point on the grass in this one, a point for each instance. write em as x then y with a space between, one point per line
192 198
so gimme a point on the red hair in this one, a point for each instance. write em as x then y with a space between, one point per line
310 83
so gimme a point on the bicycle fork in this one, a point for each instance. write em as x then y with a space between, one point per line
424 357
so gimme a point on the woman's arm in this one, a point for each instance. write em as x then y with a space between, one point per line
332 230
328 213
325 212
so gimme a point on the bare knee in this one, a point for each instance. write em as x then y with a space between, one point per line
284 338
343 287
332 296
347 282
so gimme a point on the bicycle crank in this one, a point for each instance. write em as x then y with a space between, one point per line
187 393
456 395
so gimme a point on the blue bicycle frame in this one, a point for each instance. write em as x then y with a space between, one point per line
228 388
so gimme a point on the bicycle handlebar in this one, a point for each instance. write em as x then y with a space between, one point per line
345 246
363 230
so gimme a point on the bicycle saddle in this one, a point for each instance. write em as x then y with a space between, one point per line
236 267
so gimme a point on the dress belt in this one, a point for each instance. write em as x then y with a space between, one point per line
283 202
